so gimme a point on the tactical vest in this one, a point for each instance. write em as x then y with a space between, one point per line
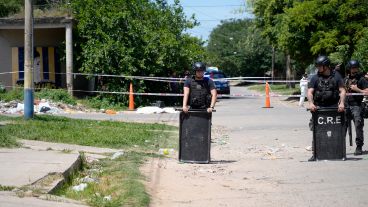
353 100
327 91
200 95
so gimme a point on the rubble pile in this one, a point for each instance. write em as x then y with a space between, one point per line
43 107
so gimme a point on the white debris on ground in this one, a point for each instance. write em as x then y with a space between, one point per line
117 155
43 107
80 187
48 107
155 110
88 179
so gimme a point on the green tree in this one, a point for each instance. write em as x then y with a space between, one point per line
361 51
133 37
238 48
305 29
8 7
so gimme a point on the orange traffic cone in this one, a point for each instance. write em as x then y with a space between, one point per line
268 102
131 98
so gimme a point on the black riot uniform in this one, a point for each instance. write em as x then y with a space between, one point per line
200 90
326 91
354 108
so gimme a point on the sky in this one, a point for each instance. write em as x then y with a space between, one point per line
210 13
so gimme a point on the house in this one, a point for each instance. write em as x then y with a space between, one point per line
52 37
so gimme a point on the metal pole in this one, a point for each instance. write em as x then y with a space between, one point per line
69 57
28 60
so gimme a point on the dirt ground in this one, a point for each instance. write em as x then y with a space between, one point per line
258 158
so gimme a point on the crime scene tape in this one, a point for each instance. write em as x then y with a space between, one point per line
170 79
179 94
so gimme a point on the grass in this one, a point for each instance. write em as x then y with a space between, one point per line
84 132
6 188
96 103
57 95
15 94
279 89
119 179
6 140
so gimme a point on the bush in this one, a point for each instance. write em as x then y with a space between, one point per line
101 102
15 94
56 95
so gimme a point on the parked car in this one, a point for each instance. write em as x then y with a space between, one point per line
218 77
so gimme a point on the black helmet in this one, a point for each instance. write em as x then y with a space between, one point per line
199 66
322 61
353 64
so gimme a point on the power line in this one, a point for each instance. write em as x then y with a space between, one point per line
203 13
190 6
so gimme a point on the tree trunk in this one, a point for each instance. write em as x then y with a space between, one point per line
289 72
273 63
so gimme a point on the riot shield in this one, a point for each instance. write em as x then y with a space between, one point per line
329 134
195 136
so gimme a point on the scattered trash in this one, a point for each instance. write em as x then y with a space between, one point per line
165 151
308 148
44 109
155 110
170 110
272 150
44 106
117 155
20 107
149 110
80 187
111 112
88 179
107 198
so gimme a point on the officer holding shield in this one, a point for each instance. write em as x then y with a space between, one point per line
199 91
326 88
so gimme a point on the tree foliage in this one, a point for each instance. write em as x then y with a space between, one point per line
305 29
134 37
238 48
9 7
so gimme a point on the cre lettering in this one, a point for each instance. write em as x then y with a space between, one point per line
329 120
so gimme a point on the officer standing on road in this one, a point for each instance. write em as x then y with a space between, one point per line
355 83
326 88
199 91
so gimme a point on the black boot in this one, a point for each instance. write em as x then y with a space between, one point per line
358 150
311 159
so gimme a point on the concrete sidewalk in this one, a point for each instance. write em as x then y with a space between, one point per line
42 166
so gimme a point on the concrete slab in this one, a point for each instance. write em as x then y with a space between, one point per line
39 145
8 199
22 166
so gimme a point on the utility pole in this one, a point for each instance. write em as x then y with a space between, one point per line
69 57
28 60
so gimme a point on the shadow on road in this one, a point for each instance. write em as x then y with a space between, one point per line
222 161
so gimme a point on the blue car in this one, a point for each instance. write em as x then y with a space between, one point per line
218 77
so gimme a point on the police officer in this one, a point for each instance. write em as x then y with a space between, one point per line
199 91
326 88
355 83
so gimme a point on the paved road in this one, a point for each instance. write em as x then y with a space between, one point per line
262 164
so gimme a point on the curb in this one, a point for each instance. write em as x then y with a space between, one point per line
66 175
54 181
